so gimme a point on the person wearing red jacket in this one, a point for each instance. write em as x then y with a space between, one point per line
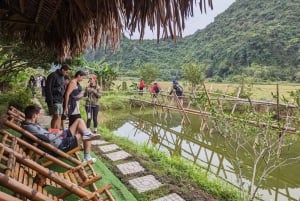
154 90
141 87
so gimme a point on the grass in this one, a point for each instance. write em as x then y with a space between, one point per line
173 170
183 176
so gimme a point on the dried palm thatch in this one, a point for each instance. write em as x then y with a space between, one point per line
68 27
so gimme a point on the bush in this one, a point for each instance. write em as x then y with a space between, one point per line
112 102
19 99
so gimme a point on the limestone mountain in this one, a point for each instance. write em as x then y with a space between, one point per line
259 39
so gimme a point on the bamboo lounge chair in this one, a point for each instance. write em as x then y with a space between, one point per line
14 120
18 170
15 117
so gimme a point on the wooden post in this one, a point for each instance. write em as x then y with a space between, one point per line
238 95
181 108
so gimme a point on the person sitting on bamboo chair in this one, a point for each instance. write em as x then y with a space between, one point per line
64 140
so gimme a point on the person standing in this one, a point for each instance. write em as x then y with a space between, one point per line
54 92
63 116
73 95
178 91
141 87
43 85
154 90
32 85
93 94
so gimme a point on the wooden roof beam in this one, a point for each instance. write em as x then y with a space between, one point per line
53 13
21 3
17 22
39 11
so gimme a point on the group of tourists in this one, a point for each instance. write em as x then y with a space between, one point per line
62 96
156 88
37 85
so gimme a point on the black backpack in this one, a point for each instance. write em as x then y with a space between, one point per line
178 88
156 89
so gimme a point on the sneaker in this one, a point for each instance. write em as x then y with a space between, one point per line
90 159
90 137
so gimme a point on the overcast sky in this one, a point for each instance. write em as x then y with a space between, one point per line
199 21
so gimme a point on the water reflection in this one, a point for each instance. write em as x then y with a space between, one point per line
207 150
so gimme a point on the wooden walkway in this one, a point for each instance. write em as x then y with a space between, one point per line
220 104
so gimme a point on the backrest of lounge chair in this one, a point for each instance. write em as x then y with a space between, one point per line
8 139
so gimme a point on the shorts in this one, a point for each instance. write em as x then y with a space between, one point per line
56 108
69 142
63 117
72 118
155 95
179 95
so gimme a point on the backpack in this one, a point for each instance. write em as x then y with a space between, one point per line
156 89
178 88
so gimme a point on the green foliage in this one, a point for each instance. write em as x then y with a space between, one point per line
124 86
133 86
113 102
19 98
106 75
296 96
262 43
16 56
148 72
194 73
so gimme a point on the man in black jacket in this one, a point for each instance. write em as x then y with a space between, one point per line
55 94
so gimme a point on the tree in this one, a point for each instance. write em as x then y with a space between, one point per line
148 72
194 73
255 149
106 75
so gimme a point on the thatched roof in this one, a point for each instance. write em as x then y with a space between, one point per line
70 26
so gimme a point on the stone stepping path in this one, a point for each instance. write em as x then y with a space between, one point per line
119 155
130 168
99 142
146 183
141 184
109 148
171 197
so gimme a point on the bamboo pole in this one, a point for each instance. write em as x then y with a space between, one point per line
208 114
22 189
6 197
81 192
41 142
238 95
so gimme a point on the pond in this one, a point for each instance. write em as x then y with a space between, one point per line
210 151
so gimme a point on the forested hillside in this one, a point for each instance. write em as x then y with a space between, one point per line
258 39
